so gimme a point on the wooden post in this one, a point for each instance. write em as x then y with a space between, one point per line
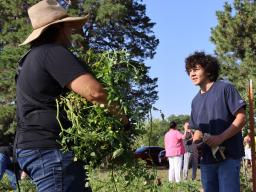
251 123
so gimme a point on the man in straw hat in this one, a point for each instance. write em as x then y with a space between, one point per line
48 70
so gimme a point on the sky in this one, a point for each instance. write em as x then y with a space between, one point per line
182 28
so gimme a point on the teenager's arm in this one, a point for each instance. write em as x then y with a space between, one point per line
234 128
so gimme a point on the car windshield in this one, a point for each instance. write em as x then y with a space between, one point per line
141 149
152 148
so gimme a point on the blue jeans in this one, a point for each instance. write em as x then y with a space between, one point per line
52 170
5 162
221 177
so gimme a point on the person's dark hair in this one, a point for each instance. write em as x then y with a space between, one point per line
206 61
173 125
48 36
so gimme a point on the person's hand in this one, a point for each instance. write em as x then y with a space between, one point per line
186 126
213 140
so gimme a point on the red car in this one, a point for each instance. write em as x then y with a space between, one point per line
150 154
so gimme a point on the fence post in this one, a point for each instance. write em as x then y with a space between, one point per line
251 123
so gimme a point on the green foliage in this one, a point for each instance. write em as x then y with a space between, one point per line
184 186
137 178
246 177
235 40
6 113
180 120
4 184
26 185
95 133
14 26
120 24
153 134
124 178
155 130
7 127
133 177
113 25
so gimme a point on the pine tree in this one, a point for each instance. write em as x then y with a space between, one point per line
14 24
235 40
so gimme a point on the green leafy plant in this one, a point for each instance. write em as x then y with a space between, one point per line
95 133
26 185
127 177
246 177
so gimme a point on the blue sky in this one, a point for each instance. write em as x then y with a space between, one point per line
182 28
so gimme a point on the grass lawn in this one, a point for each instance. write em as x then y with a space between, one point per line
162 173
126 180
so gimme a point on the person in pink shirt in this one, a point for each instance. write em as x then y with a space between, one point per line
174 150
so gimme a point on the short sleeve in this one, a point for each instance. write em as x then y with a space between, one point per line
233 98
63 65
192 123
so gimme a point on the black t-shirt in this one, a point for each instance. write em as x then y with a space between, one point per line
46 71
188 142
213 112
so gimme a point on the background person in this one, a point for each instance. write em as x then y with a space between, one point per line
174 150
247 149
194 160
188 150
219 111
191 154
6 163
48 71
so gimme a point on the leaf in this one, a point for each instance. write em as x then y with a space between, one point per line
92 154
117 153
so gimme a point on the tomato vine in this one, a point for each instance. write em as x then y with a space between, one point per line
95 133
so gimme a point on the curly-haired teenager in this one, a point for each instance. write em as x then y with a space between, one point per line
219 111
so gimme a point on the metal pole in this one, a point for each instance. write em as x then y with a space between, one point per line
251 123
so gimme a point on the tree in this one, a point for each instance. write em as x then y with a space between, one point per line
13 26
121 37
120 24
113 25
154 132
180 120
235 40
123 25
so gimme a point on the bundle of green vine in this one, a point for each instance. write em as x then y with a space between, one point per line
95 133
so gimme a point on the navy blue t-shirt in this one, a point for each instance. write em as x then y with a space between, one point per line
46 71
213 112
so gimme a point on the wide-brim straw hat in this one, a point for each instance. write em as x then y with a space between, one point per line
49 12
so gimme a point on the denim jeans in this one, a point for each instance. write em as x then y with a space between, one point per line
52 170
5 162
221 177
